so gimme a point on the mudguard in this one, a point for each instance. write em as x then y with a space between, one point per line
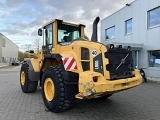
33 69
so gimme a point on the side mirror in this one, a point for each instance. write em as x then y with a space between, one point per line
40 32
31 51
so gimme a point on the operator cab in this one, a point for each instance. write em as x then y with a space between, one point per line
58 32
68 33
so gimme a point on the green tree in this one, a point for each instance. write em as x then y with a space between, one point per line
22 55
37 44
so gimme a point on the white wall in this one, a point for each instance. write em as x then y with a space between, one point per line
150 38
0 49
9 50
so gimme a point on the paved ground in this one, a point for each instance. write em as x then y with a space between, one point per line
140 103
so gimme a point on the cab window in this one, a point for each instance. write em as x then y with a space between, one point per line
68 33
49 37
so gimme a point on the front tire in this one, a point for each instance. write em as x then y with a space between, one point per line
27 85
53 90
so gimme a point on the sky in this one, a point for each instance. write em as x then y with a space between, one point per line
20 19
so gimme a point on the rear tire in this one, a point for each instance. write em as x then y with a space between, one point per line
27 85
54 97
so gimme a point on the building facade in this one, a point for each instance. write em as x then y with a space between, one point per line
137 25
8 50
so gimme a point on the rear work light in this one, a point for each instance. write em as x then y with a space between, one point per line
95 79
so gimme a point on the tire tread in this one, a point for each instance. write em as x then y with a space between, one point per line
61 104
30 86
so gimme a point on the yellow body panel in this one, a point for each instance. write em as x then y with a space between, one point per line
74 50
90 89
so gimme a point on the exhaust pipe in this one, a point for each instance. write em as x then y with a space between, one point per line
94 37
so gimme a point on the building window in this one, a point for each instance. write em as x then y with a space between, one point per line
154 17
154 58
110 32
128 24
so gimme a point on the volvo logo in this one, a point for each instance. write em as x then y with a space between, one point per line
122 61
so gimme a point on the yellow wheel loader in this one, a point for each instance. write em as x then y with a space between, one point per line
69 66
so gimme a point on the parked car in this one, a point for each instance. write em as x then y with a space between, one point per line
15 62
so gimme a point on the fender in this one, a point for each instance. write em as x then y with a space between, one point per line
50 57
67 75
33 69
56 56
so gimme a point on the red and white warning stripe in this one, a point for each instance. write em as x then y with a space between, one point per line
69 63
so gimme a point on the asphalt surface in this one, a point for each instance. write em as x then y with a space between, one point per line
139 103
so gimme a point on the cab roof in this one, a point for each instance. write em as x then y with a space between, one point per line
62 22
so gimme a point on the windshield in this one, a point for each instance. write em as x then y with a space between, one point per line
68 33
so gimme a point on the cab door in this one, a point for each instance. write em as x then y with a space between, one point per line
49 38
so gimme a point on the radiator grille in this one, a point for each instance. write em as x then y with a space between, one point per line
120 63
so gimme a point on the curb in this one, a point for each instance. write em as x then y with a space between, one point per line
3 66
155 81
